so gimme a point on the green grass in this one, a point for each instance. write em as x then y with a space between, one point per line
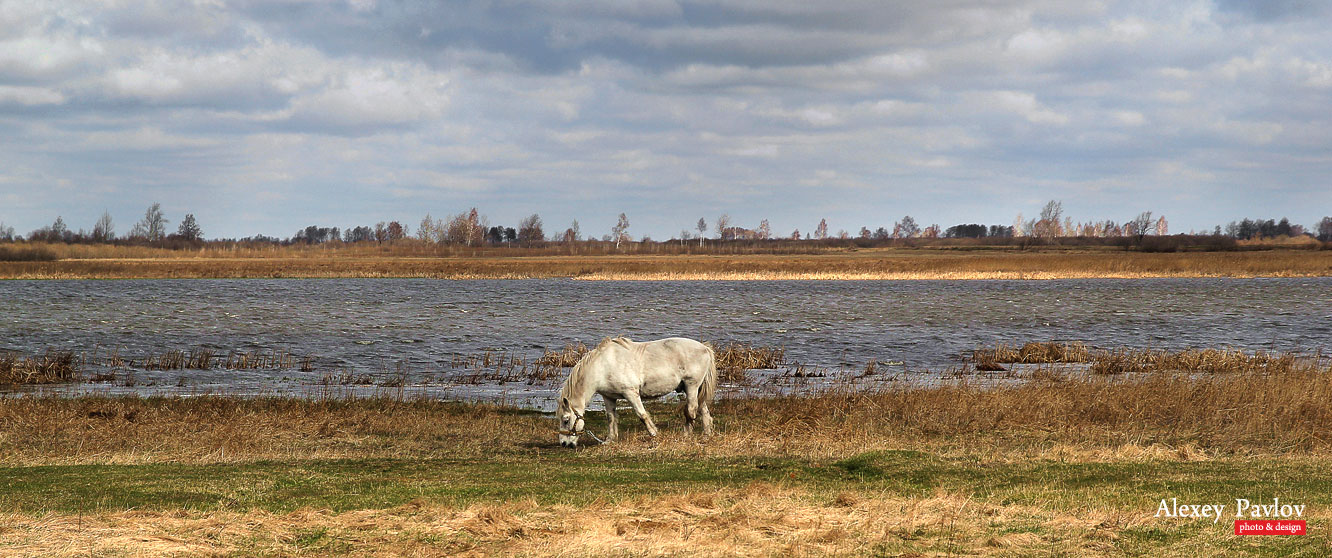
992 498
573 478
570 478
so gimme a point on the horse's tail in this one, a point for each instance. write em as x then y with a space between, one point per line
709 386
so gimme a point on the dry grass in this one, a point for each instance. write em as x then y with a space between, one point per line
1272 409
733 359
1030 353
564 358
1150 423
1123 361
50 368
760 519
220 429
877 263
67 366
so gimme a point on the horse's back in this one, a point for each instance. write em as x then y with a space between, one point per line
656 368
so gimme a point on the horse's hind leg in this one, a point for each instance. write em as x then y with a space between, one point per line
707 418
612 420
690 410
642 413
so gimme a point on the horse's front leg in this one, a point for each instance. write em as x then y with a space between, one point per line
642 413
612 420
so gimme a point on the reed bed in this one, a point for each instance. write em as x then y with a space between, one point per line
1285 410
827 264
50 368
1030 353
564 358
67 366
504 367
1125 360
733 359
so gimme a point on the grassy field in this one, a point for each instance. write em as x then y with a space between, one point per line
1061 465
77 262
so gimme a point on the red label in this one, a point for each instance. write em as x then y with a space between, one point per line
1269 527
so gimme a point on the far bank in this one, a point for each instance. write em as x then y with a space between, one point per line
872 264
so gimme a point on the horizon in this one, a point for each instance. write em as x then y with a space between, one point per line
122 229
265 119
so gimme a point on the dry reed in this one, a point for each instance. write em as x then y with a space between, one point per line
1282 410
1122 361
564 358
757 519
733 359
49 368
828 264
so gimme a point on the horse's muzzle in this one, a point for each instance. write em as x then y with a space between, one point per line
569 441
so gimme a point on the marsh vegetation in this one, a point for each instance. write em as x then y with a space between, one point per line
814 261
1071 466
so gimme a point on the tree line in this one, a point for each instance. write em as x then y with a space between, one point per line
471 228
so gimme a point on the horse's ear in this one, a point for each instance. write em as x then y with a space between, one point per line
565 402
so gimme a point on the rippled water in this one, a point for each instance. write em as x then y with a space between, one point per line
374 325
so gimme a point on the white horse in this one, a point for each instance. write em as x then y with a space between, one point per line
622 369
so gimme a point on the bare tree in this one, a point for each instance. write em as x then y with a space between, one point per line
1049 224
1141 225
620 230
864 233
723 222
702 228
105 229
1162 226
530 230
764 231
396 231
906 228
425 232
572 234
1324 229
1018 229
153 225
795 234
821 231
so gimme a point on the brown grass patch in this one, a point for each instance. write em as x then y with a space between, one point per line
1269 403
1123 361
564 358
757 520
825 264
50 368
733 359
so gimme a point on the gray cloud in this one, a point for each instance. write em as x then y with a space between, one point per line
263 117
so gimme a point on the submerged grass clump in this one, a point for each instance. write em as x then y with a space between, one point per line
1212 361
733 359
564 358
50 368
1125 360
1030 353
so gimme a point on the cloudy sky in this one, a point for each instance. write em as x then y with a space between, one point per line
264 117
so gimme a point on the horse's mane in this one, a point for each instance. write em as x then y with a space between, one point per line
576 381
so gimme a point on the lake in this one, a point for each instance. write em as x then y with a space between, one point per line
417 326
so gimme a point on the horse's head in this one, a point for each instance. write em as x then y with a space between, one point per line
571 423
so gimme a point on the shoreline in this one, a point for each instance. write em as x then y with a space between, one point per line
869 265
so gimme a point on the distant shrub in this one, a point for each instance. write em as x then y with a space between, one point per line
1187 243
21 253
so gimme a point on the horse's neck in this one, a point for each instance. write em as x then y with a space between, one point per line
579 399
